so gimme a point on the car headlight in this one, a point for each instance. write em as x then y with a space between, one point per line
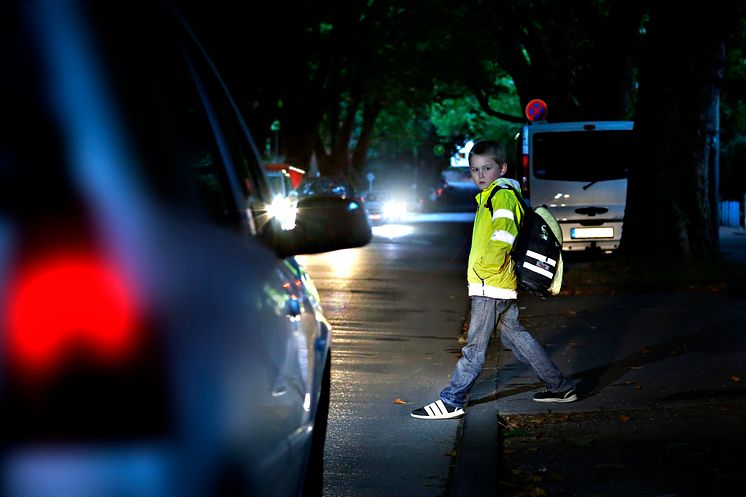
394 209
285 210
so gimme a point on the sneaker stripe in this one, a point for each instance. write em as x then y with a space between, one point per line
438 410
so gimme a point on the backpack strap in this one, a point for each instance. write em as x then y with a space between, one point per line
518 197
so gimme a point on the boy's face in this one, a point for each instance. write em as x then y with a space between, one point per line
484 170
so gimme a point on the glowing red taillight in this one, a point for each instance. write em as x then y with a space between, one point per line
63 306
525 178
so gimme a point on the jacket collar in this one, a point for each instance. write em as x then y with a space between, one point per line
495 184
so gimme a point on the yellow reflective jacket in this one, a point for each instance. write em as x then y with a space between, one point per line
491 269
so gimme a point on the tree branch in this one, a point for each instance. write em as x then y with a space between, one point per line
484 103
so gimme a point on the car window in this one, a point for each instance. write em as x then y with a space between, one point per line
583 155
242 157
323 185
376 197
165 113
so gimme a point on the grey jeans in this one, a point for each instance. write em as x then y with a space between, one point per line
487 312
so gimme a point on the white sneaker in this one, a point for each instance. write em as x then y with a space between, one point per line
438 410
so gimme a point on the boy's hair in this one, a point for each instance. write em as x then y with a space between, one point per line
489 148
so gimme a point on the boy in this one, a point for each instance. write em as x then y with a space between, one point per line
492 289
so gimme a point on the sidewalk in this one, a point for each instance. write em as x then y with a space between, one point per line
662 384
662 410
733 244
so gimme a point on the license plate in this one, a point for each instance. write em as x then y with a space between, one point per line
607 232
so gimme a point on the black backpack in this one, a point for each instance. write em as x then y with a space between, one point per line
537 251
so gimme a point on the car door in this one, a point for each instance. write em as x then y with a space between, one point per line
290 331
239 380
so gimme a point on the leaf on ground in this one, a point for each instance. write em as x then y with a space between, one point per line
451 454
510 424
537 420
518 432
624 418
635 383
538 492
399 401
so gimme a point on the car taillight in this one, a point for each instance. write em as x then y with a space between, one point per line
69 306
525 181
81 358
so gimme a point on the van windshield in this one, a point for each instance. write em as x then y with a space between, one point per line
583 155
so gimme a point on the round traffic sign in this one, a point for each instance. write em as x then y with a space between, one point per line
536 110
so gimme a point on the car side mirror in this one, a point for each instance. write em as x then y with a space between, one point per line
324 223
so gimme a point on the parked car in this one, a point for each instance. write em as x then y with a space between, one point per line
157 336
579 170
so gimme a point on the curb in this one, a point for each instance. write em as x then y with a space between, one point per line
477 464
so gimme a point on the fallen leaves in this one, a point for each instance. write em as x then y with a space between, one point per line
525 483
400 401
636 384
624 418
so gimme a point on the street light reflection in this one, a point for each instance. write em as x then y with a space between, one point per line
392 231
340 263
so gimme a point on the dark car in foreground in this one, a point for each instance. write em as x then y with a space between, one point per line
157 336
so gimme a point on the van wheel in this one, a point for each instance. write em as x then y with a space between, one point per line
313 485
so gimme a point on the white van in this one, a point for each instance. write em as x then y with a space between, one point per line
579 170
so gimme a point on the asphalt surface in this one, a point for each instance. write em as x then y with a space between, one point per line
662 383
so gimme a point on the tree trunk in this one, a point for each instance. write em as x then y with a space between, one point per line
298 135
359 155
342 132
668 210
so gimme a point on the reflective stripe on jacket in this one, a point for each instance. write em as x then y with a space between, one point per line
491 272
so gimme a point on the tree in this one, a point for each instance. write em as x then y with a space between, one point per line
673 188
582 56
577 55
332 68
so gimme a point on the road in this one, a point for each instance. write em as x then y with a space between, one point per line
396 307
